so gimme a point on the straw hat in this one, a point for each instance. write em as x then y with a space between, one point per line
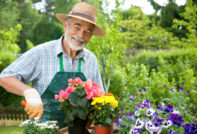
84 12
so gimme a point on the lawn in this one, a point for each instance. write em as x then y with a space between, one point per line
10 130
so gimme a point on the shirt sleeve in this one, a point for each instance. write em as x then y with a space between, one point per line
97 77
24 68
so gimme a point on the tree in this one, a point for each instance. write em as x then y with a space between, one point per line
9 14
8 51
189 22
137 32
169 12
28 18
47 30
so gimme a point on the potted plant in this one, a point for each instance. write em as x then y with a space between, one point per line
75 101
36 126
102 112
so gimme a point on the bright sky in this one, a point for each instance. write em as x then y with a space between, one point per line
145 5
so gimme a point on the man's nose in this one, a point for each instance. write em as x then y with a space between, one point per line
81 34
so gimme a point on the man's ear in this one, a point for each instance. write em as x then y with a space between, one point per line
65 25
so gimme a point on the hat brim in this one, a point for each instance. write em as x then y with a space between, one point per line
98 31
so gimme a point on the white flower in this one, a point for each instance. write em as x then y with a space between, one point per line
176 112
150 112
131 129
167 123
139 124
137 113
151 128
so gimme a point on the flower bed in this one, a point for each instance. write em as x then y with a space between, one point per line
140 114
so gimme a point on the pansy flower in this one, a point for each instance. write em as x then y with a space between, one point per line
139 124
167 123
168 108
150 112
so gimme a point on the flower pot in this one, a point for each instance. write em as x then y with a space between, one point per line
103 130
79 127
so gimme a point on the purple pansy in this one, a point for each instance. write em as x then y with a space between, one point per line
193 107
160 107
172 132
174 86
147 103
168 108
158 122
176 119
181 89
172 89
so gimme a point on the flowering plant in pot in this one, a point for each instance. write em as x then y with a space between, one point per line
138 114
36 126
102 112
75 100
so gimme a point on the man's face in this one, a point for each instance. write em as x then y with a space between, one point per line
78 33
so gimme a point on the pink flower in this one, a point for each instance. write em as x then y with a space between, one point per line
70 80
61 94
89 96
70 89
77 81
92 89
56 97
66 94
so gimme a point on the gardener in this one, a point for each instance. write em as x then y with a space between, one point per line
49 66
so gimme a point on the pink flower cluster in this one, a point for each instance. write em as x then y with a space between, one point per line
90 88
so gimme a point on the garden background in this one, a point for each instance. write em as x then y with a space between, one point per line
139 51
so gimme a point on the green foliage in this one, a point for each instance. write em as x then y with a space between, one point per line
109 50
189 21
29 44
8 48
47 30
153 70
9 14
168 13
29 18
8 45
39 127
76 106
137 32
64 6
10 130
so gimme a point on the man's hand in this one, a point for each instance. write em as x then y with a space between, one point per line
34 107
34 111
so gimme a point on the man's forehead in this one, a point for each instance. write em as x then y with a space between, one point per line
82 22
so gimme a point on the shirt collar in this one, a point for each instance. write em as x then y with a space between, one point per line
59 50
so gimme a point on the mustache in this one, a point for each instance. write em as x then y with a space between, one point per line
77 38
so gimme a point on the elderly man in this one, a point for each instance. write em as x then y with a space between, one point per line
49 66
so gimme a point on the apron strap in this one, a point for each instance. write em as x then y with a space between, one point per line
61 63
79 68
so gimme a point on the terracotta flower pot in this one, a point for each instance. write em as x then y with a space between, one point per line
103 130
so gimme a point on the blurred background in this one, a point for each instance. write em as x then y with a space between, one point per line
149 43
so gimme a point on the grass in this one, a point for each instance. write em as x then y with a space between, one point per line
11 130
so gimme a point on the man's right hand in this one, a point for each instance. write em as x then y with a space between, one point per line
34 107
34 111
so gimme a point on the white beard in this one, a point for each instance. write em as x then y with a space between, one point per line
71 45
